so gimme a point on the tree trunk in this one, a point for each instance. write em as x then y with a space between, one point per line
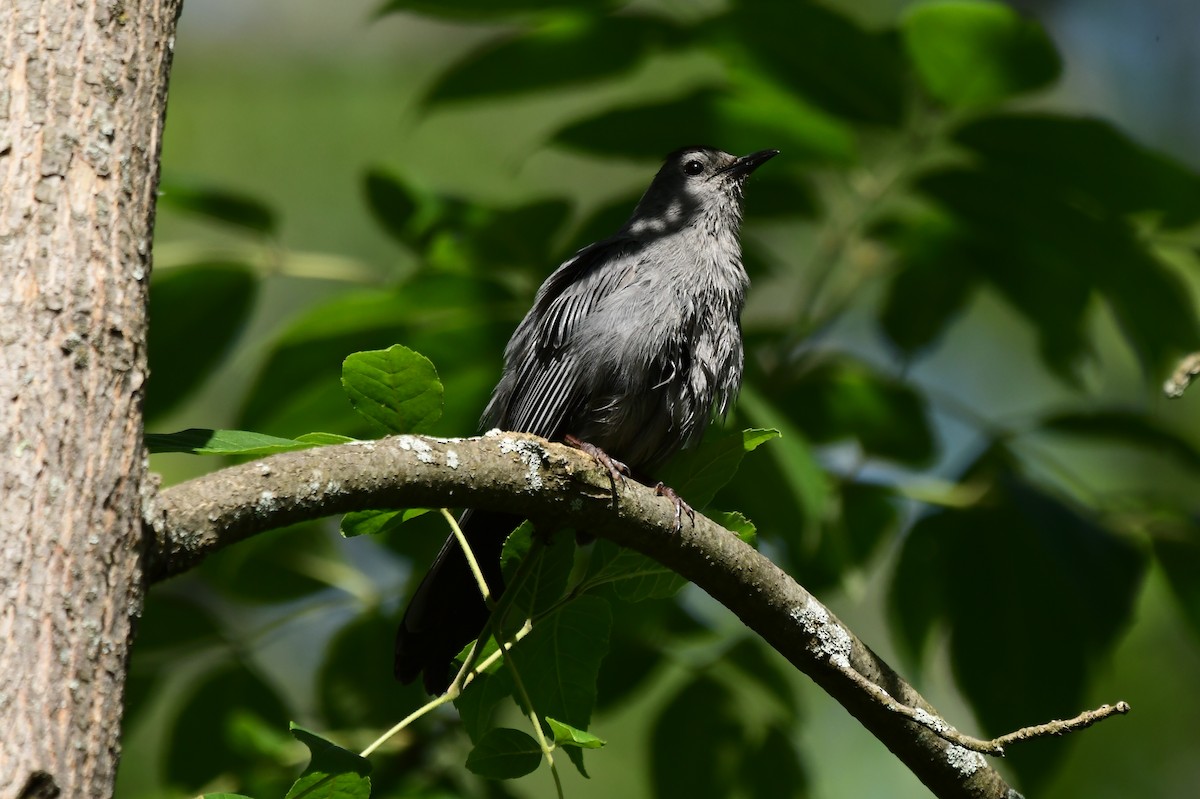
82 101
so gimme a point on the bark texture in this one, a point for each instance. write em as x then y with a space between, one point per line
82 101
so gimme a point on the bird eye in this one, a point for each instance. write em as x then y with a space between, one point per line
693 167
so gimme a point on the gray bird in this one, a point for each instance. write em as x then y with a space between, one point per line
632 346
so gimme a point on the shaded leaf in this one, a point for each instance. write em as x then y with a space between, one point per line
477 704
396 388
934 279
215 298
332 773
774 769
633 576
975 53
504 754
651 130
354 665
697 474
219 205
843 398
824 57
1028 570
546 580
438 315
763 668
696 741
1177 552
271 566
483 9
391 203
565 687
560 53
207 723
1061 154
1035 250
1125 427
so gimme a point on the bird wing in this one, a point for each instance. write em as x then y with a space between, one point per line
542 388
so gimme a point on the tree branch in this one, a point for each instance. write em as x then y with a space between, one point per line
526 475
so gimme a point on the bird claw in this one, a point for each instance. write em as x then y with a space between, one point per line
617 471
664 490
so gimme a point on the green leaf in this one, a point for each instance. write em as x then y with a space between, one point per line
438 315
1125 427
1026 568
208 719
1059 154
377 522
843 398
332 773
392 204
1039 252
545 582
786 492
560 53
396 388
1177 552
762 667
823 56
696 741
971 54
504 754
774 768
488 9
736 523
699 473
932 283
354 665
218 205
215 298
633 576
560 660
477 703
234 442
274 566
651 130
566 735
223 796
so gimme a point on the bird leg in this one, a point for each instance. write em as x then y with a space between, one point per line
664 490
617 471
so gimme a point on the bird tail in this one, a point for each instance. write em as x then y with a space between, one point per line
447 611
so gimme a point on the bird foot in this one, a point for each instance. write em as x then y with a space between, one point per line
681 507
617 471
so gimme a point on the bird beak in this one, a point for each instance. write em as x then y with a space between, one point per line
748 163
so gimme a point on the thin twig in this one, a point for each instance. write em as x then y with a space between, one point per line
995 746
1183 376
471 561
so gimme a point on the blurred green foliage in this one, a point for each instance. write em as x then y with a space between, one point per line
918 185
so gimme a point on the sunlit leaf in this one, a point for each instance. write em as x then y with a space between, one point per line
235 442
396 388
971 53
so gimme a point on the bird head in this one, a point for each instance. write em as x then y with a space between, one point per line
696 185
